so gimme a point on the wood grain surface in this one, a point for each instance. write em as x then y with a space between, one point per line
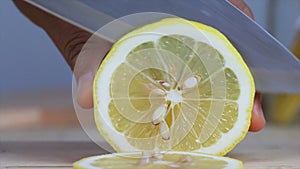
276 147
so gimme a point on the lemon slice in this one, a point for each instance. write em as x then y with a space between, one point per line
162 160
173 85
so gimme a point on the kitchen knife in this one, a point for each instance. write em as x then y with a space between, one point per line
274 67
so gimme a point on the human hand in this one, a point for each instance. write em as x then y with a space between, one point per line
70 40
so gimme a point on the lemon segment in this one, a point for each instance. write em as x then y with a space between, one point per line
173 85
163 160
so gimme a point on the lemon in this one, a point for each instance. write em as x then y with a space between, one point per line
173 85
186 160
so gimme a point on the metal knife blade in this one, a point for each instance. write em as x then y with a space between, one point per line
274 67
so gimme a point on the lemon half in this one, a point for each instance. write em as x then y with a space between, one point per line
173 85
167 160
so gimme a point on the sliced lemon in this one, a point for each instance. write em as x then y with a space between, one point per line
173 85
185 160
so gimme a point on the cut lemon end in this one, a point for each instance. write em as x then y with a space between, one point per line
173 85
158 160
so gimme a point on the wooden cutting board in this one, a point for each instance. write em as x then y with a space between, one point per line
274 148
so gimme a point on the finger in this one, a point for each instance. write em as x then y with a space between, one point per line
85 91
243 7
257 120
87 64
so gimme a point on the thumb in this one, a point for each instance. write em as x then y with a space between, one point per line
87 64
257 120
85 90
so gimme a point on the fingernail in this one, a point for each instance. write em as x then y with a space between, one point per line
84 78
85 91
258 108
258 119
260 113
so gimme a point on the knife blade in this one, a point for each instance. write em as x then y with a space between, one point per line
274 67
